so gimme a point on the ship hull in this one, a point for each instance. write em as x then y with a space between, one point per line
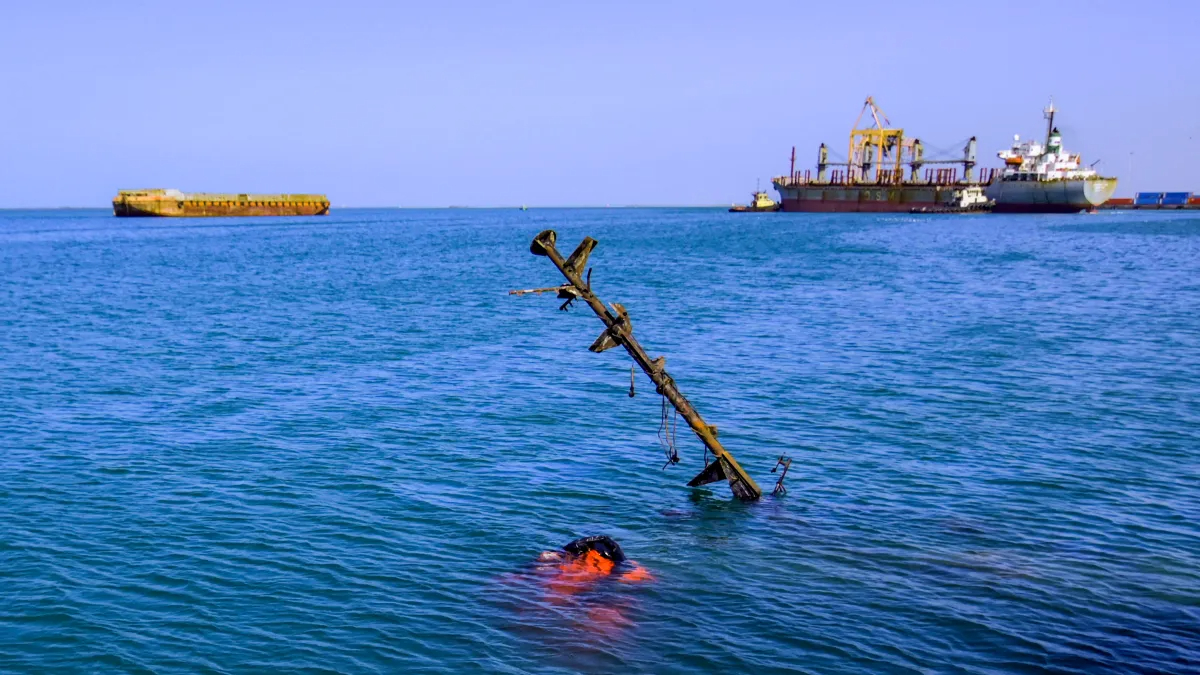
1057 196
822 206
864 199
1038 208
175 204
218 210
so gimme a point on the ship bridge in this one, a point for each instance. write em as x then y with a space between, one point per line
1031 160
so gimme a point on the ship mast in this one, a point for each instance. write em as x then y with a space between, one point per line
1049 113
618 330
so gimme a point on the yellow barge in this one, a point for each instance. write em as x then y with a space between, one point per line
167 202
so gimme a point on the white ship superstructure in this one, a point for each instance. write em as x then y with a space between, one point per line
1045 178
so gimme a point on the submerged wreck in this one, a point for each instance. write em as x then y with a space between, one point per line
618 331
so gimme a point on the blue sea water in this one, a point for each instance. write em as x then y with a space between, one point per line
335 444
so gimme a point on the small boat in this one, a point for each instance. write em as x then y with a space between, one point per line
761 202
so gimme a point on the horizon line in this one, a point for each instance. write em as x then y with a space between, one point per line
517 207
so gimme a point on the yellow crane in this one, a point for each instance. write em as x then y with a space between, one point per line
875 147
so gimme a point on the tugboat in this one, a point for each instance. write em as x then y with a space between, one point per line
1044 178
760 202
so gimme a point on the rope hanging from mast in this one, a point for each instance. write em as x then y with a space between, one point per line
667 438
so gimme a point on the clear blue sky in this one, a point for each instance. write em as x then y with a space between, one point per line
562 103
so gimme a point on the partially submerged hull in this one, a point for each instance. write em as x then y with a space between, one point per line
1053 196
173 203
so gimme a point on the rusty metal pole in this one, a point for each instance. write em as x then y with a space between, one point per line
619 331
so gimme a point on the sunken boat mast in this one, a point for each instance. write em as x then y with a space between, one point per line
618 330
874 179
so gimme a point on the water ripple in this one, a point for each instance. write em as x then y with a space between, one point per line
335 445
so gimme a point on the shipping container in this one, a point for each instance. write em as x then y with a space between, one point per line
1194 201
1175 198
1119 201
1147 198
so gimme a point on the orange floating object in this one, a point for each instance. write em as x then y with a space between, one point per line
586 562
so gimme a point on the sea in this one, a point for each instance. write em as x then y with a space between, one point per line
339 445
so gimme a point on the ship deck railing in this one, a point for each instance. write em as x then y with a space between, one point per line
785 181
890 178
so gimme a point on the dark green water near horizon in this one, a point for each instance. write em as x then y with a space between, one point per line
335 444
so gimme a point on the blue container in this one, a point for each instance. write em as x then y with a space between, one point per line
1175 198
1147 198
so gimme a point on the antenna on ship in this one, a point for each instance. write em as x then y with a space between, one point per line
1049 113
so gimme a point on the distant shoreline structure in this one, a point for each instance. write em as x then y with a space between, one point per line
426 208
1112 204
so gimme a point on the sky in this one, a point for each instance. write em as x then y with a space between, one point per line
568 103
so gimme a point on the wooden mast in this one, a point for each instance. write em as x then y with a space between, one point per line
619 331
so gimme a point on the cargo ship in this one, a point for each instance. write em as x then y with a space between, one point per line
1045 178
166 202
874 178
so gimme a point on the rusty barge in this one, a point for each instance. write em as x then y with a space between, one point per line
173 203
873 179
